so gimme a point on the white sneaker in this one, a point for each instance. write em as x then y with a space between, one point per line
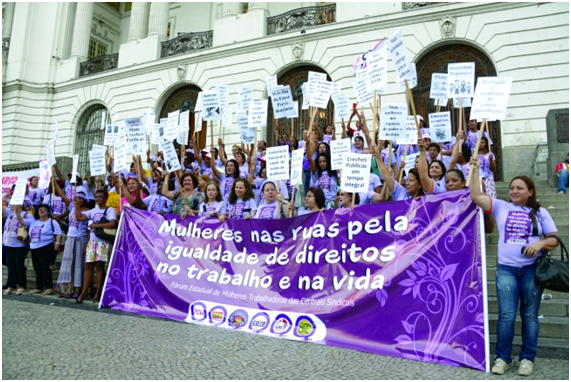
500 366
525 367
561 193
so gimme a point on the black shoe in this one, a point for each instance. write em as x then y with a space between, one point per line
4 286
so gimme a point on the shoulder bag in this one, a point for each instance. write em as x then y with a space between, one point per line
551 273
104 233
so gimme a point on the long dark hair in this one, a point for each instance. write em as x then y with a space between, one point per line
319 171
249 194
532 200
442 167
318 195
414 171
236 166
218 197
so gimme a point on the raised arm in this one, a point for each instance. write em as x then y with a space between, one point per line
455 151
311 146
482 200
60 192
366 129
425 179
142 173
212 165
389 180
221 153
165 191
58 172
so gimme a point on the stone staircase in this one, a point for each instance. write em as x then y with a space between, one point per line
553 313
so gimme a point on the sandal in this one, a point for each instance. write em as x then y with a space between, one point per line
33 291
20 291
96 299
80 298
48 291
8 291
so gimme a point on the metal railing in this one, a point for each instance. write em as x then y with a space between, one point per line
301 18
99 64
187 43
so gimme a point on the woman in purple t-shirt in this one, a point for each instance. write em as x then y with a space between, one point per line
521 223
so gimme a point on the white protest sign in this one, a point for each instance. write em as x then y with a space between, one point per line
342 106
198 122
44 177
171 159
119 161
135 135
410 137
491 98
442 101
297 167
19 192
339 148
149 121
156 134
99 148
198 105
316 76
171 131
247 135
440 127
282 102
223 95
412 80
321 94
245 96
466 102
305 92
56 132
111 135
183 127
356 172
74 174
227 116
50 153
461 79
361 91
277 162
257 113
438 86
410 162
296 108
210 106
270 83
399 55
393 121
336 91
162 128
377 78
97 162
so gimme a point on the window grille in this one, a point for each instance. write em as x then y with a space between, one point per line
88 133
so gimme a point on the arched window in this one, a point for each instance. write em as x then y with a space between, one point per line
88 133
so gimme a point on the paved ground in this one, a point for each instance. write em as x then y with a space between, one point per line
44 337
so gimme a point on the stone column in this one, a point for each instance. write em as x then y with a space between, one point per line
82 30
139 21
231 9
159 20
263 5
6 33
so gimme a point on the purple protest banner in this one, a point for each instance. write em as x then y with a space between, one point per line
402 279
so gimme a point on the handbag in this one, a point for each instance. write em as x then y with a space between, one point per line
551 273
105 233
22 234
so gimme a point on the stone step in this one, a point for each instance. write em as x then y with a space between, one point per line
549 308
556 295
549 327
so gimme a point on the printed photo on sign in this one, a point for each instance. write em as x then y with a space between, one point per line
466 102
461 79
171 159
440 127
210 106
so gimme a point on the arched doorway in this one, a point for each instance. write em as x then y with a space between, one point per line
89 132
184 99
436 61
295 78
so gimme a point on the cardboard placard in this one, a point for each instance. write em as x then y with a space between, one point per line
336 91
440 127
305 92
198 122
171 159
97 162
282 102
245 96
50 153
399 54
223 95
438 86
491 98
135 135
156 134
339 148
75 163
257 113
183 127
361 91
410 162
461 79
356 172
171 132
297 166
227 116
120 161
44 177
210 106
149 121
19 192
270 83
321 94
56 131
377 77
342 107
466 102
410 136
277 163
393 121
111 135
412 80
247 135
163 128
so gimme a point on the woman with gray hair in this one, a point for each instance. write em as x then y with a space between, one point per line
72 268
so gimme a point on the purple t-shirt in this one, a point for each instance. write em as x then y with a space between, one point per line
158 203
96 214
516 231
485 171
327 183
472 139
42 233
399 193
36 195
226 185
14 242
267 211
205 209
57 206
240 209
76 228
438 186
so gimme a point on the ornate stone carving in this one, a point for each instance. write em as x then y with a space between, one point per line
297 50
448 27
5 48
301 18
104 31
181 72
187 43
410 5
99 64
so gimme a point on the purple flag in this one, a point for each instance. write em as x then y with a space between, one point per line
402 279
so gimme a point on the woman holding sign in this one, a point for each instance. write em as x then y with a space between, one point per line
412 188
487 167
432 178
186 201
322 176
521 223
273 203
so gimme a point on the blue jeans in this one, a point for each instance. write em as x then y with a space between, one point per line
513 286
563 180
